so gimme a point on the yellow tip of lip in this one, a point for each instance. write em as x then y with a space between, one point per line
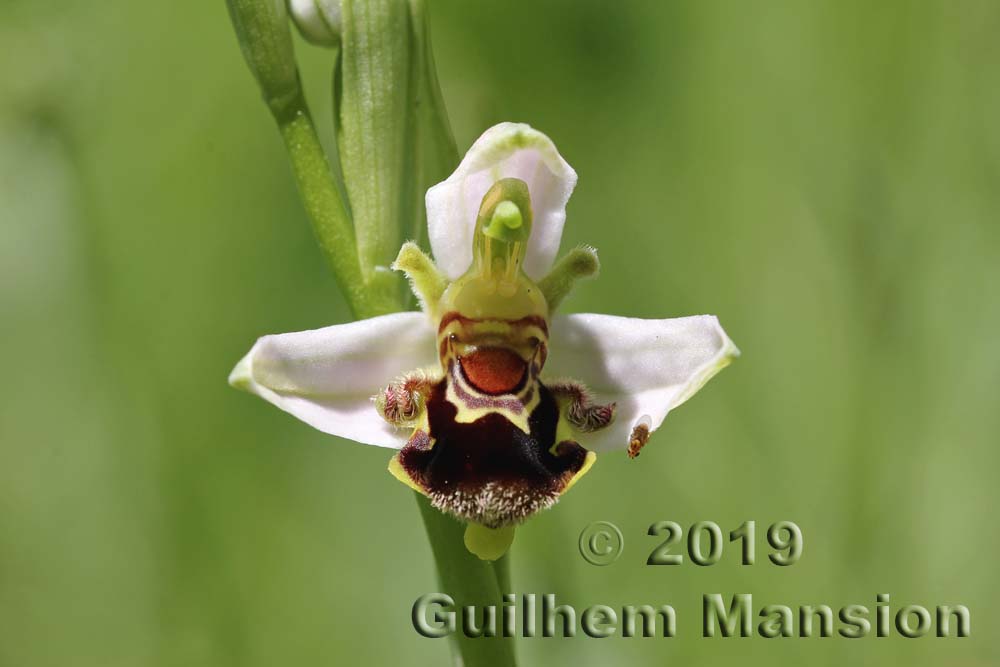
587 463
488 543
396 470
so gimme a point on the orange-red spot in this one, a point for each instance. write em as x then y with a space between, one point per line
493 370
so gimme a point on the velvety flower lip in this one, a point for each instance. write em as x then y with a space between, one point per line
326 377
496 404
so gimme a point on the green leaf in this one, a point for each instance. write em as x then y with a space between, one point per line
372 126
392 130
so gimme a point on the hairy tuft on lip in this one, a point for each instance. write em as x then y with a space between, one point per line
494 505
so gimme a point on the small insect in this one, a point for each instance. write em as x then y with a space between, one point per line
639 437
491 443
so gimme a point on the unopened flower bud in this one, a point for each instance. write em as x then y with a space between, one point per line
262 29
318 21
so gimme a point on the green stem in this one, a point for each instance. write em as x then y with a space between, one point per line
462 576
502 569
469 581
262 29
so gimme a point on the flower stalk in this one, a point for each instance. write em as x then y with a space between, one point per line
394 142
469 581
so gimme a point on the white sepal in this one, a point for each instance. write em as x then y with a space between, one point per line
327 377
648 367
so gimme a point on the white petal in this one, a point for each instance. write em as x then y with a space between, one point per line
505 150
648 367
326 377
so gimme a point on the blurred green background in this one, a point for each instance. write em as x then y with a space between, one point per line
824 176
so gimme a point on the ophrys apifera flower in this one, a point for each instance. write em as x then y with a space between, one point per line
496 405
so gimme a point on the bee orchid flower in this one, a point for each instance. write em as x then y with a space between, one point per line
496 405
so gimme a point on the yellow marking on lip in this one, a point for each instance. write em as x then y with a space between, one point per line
467 415
587 463
397 471
490 327
458 338
564 430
